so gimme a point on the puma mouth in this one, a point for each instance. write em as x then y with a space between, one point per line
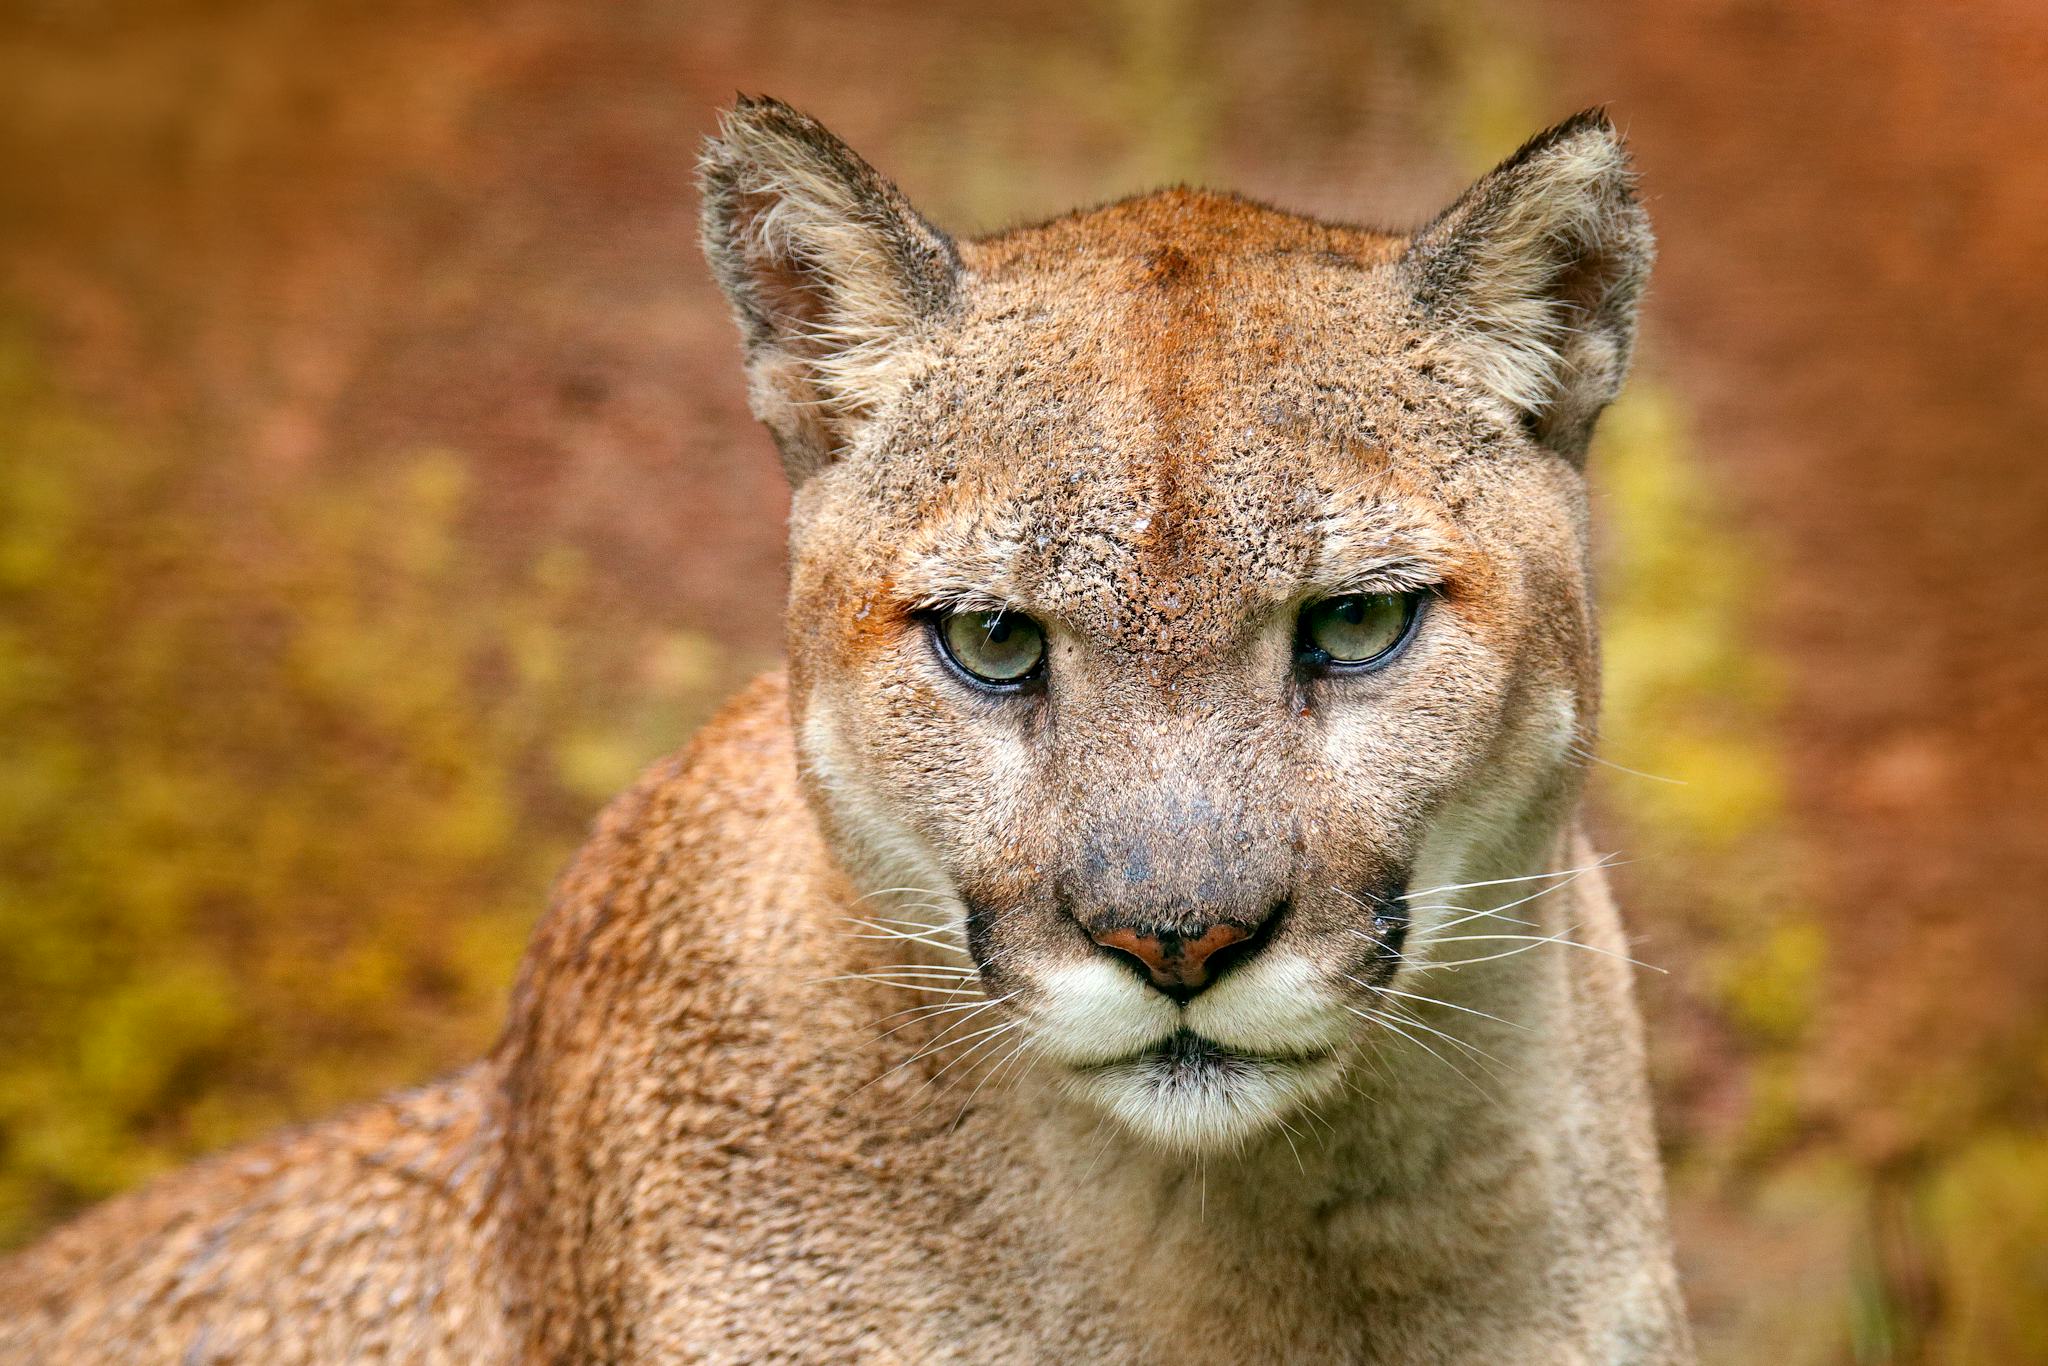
1190 1092
1188 1058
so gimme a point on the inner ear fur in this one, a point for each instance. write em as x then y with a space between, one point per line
1533 278
830 273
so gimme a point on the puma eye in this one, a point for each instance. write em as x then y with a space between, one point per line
1356 629
997 649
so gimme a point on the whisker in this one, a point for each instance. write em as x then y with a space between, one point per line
1451 1005
903 986
1466 1046
994 1033
949 971
923 937
939 1008
1394 1025
1016 1050
890 891
1287 1132
1534 941
1471 913
1315 1116
1590 757
941 1044
1361 903
935 1047
1100 1149
1475 913
926 1014
921 926
1605 861
936 907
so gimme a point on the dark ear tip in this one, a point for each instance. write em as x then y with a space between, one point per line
767 114
1592 116
761 126
761 106
1592 122
751 121
1592 119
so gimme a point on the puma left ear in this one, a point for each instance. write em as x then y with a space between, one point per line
829 271
1533 276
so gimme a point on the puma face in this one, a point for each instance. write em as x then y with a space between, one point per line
1183 593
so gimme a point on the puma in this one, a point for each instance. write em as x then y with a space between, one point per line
1151 921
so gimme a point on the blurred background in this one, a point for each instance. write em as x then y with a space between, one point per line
377 495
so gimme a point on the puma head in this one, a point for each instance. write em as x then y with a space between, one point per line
1183 593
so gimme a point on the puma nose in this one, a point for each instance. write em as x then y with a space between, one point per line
1181 964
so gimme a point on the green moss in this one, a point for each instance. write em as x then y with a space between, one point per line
287 774
1987 1216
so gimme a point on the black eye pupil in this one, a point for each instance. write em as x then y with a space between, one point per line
1352 610
999 630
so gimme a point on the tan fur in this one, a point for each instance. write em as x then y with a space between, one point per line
1160 428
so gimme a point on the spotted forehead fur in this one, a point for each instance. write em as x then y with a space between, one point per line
1157 417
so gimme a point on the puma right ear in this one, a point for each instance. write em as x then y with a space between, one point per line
829 270
1533 277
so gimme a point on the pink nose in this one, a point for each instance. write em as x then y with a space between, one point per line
1179 965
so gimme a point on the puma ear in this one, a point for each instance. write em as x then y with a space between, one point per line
829 270
1533 277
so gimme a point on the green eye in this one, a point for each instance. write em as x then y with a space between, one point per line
1357 628
1001 649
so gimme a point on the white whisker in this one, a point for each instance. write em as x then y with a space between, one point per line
881 931
1590 757
1474 1051
1605 861
1469 914
899 984
926 1014
1017 1050
1391 1023
1534 941
893 891
1449 1005
994 1033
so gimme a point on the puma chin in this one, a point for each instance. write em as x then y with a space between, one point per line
1232 1063
1190 1092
